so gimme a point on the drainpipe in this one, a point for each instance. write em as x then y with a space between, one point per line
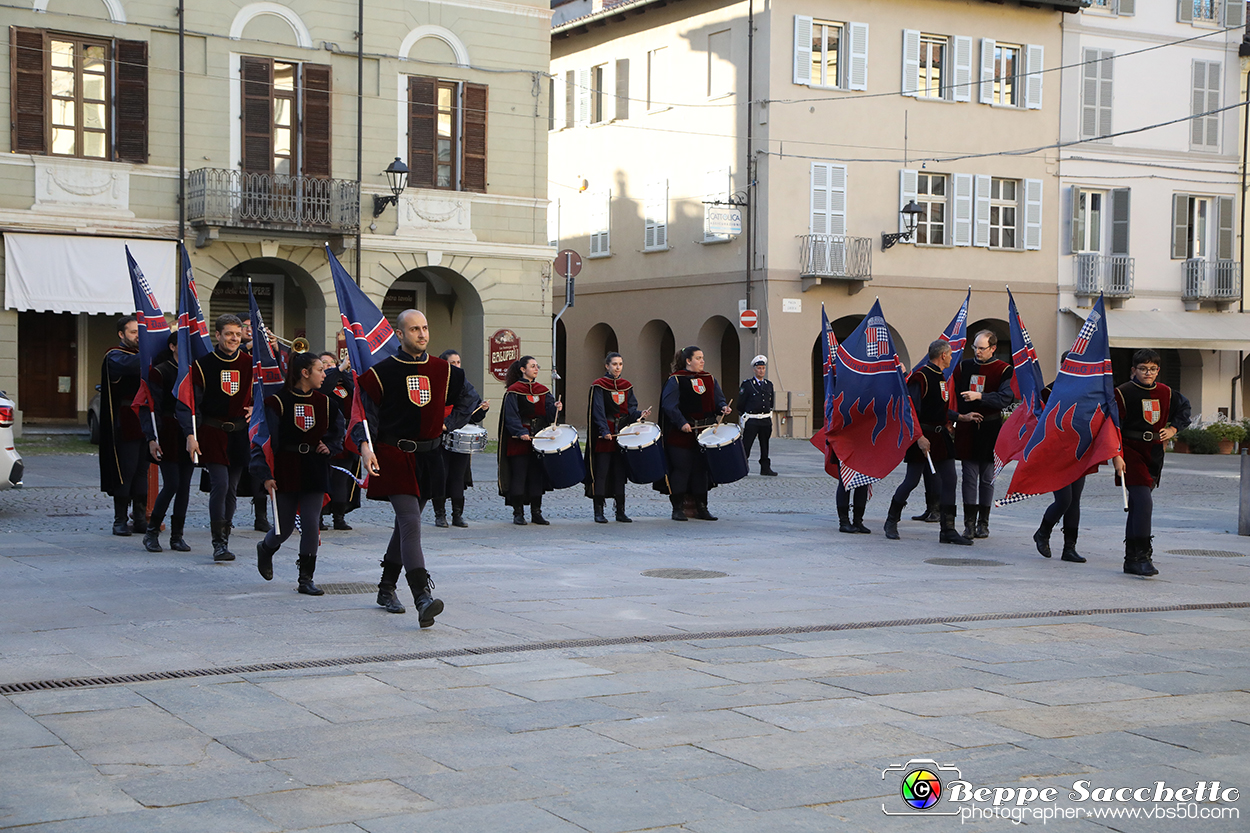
748 226
182 122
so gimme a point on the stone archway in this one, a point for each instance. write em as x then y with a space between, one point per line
600 340
656 346
721 349
289 299
1000 328
452 306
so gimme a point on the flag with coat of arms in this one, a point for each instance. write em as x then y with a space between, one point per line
266 380
153 331
1027 384
956 335
193 343
828 351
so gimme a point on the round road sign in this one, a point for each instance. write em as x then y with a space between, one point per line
749 319
568 264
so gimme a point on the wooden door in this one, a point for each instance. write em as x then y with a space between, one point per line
48 365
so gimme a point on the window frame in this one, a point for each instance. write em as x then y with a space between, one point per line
925 200
1081 215
80 42
944 41
840 66
656 63
999 81
460 118
1002 204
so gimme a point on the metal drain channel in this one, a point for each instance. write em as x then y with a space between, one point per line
366 659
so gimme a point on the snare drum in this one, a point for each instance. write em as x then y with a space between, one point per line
644 457
561 455
465 440
722 448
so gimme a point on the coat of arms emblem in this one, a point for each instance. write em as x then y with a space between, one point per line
230 382
618 397
419 390
1151 410
976 383
305 417
698 385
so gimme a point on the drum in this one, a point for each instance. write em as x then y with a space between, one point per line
465 440
644 457
722 447
561 455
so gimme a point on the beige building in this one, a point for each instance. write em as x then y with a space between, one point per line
92 161
825 122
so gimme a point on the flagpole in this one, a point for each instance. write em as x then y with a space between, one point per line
273 501
1124 489
929 460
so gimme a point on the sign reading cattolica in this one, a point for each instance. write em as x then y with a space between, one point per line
505 348
724 220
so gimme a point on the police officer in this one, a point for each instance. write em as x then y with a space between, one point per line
123 461
345 471
528 407
168 447
691 400
755 403
982 387
612 405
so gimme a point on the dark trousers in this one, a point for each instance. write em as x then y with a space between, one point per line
844 499
308 505
762 428
175 486
978 482
1140 508
525 479
223 489
1066 505
942 483
132 459
457 465
687 471
405 544
609 471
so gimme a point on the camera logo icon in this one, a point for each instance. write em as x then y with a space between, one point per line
920 787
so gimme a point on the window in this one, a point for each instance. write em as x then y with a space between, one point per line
1116 7
1096 76
937 66
286 117
830 54
657 62
1004 199
720 67
655 216
981 211
932 64
79 96
1204 131
446 134
827 40
1204 9
557 103
599 218
931 196
1006 75
1100 221
1228 13
1011 75
600 93
598 75
828 198
1202 227
1087 230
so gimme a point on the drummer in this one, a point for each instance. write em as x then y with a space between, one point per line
456 463
528 407
612 406
691 401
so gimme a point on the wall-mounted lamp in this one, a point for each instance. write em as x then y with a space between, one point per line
911 215
397 178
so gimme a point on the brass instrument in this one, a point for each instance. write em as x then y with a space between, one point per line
299 345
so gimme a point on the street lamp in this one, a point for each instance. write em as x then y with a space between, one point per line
397 178
911 215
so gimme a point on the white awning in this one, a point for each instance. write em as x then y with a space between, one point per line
81 273
1176 330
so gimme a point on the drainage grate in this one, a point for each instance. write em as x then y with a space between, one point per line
682 572
339 662
965 562
70 515
348 588
1209 553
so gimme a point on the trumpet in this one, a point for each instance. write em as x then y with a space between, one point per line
298 345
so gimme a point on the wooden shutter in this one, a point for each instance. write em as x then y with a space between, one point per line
600 217
828 198
422 125
962 219
907 191
1126 7
987 71
1034 63
655 219
981 211
1234 14
27 92
131 101
1096 91
1224 214
622 89
857 79
315 126
1180 226
1033 214
1076 238
962 87
605 89
1214 70
257 76
581 97
1185 11
1119 221
559 102
802 49
911 62
475 101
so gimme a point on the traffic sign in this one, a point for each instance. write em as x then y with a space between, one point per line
748 319
568 264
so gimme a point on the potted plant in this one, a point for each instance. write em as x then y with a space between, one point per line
1195 441
1227 434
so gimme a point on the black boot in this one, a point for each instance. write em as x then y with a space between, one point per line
261 522
1135 563
621 517
932 513
264 560
176 541
971 510
679 507
151 539
221 541
536 516
427 606
1147 552
386 587
341 524
857 521
440 514
767 470
457 513
949 535
308 566
140 515
892 518
701 512
600 518
121 525
518 513
983 521
1041 538
1069 547
844 521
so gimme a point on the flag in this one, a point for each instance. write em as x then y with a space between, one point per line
1079 427
828 352
955 334
1026 383
872 422
153 331
370 338
193 343
266 380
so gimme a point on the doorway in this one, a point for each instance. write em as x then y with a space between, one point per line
47 366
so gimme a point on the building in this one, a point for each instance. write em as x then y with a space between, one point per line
270 174
823 120
1153 219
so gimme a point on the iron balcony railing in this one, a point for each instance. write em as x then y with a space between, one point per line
835 256
237 199
1112 275
1212 280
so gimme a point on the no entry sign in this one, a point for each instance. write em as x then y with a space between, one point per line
748 319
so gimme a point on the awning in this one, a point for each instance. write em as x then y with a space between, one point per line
1175 330
81 273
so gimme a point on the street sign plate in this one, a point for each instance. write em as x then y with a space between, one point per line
568 264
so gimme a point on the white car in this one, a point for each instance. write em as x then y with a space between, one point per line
11 466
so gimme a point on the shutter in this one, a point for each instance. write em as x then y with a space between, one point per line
837 199
1105 91
962 90
28 92
1185 11
622 89
858 79
820 199
655 220
1126 8
1089 93
802 49
1077 236
1214 68
1197 127
475 109
559 102
962 215
257 114
316 125
1180 226
1119 221
1035 62
908 190
1224 213
422 115
987 71
581 98
131 101
1234 14
600 223
911 62
607 92
981 211
1033 214
570 98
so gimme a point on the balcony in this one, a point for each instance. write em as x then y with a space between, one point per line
219 198
1111 275
834 256
1217 281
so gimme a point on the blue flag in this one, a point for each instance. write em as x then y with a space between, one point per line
1027 384
193 343
266 380
153 330
828 353
955 334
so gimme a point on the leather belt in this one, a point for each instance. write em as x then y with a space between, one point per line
226 425
758 416
1142 436
302 448
413 446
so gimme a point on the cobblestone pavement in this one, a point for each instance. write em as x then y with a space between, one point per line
566 689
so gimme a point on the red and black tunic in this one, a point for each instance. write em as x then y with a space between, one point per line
612 406
689 397
223 392
931 397
299 422
1144 412
992 379
528 407
161 380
